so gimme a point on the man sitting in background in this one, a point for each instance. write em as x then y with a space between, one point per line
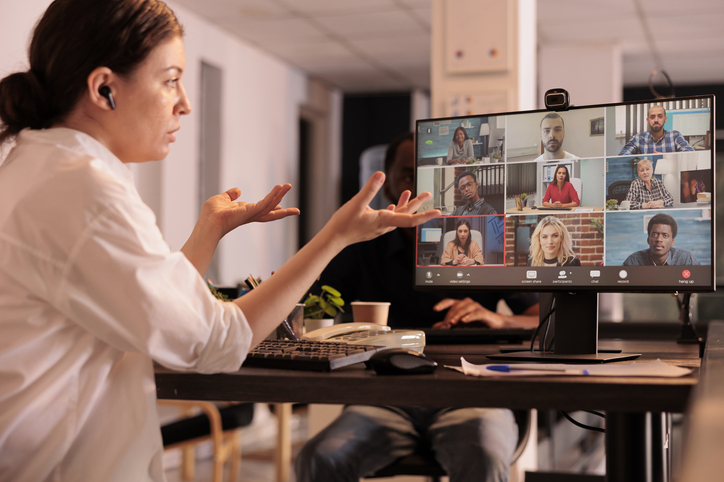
472 444
656 139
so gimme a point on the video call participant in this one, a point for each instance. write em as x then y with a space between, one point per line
560 193
461 147
552 133
462 251
661 235
647 192
472 444
91 293
551 245
468 186
656 139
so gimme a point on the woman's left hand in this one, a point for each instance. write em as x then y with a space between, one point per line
226 214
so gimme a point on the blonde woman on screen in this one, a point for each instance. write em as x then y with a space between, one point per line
551 245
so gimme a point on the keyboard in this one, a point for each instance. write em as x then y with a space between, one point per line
320 356
476 336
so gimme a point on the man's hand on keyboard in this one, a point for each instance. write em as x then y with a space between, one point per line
461 312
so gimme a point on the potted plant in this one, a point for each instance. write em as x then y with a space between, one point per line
320 310
523 197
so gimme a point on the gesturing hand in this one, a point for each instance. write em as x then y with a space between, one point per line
226 215
356 221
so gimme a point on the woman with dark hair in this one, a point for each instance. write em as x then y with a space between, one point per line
560 192
461 147
90 293
462 251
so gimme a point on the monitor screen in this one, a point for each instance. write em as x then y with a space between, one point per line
615 197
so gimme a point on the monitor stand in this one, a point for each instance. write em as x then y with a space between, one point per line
575 327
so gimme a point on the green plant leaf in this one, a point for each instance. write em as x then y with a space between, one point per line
331 291
331 311
336 300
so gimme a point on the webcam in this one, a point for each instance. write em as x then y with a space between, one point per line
557 99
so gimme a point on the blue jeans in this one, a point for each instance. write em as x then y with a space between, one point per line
471 444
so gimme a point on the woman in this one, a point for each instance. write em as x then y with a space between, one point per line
560 193
551 245
647 192
462 251
461 147
90 293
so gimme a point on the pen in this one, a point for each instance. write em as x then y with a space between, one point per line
511 368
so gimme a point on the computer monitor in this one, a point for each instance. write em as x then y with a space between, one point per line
572 203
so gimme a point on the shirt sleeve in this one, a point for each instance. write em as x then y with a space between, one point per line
572 194
468 149
450 153
476 253
634 194
681 144
668 198
124 285
547 195
629 148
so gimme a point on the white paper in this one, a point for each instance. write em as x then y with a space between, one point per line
656 368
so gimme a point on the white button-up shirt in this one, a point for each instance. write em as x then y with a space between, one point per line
90 294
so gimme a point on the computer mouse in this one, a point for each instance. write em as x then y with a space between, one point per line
401 361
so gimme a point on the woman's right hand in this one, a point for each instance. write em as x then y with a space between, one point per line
355 221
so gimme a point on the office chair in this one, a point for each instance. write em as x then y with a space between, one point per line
220 425
618 190
424 463
578 186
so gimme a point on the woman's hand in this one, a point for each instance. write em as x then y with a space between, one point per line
224 214
356 221
220 214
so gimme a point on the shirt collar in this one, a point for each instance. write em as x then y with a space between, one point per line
81 142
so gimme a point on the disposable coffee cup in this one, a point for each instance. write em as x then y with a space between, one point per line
370 311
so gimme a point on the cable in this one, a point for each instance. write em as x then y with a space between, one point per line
582 425
544 321
653 75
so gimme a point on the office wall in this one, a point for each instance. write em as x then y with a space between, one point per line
260 103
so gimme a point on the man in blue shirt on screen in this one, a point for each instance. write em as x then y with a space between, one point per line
656 139
661 233
472 444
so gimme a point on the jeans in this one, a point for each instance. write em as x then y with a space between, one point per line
471 444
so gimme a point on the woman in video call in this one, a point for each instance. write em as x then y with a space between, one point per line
92 295
551 244
560 193
461 147
647 192
462 251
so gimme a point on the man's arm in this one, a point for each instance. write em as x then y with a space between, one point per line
631 147
467 310
681 144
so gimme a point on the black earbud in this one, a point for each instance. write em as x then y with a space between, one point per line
105 91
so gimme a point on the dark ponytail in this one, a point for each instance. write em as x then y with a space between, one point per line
73 38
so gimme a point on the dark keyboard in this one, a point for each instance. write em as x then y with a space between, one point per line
476 336
308 355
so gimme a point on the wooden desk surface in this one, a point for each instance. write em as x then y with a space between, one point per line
449 388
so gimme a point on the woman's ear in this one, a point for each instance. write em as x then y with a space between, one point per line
100 88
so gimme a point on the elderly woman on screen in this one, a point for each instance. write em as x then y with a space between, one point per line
551 245
647 192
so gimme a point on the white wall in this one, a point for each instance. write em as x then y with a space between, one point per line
260 137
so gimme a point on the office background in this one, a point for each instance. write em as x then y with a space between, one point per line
286 68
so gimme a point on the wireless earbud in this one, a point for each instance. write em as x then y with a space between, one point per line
105 91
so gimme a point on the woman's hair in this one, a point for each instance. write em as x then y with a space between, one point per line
643 162
462 129
466 248
566 249
555 178
73 38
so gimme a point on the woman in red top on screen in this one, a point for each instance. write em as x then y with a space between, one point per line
560 192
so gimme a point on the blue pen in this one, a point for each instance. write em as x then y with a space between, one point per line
511 368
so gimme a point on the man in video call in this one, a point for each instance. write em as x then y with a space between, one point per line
552 133
656 139
661 234
468 185
472 444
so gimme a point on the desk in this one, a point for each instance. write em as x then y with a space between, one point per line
530 210
624 399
